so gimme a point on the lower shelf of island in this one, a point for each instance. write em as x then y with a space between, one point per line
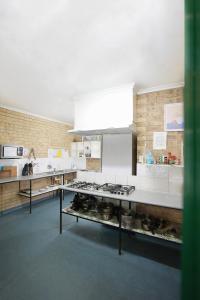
35 193
114 223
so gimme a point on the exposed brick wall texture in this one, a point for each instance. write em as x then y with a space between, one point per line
93 164
30 132
33 132
150 118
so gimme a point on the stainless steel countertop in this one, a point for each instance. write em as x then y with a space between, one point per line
138 196
36 176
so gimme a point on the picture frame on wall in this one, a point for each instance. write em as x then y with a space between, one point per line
173 117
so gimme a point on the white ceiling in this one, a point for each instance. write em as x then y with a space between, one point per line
51 51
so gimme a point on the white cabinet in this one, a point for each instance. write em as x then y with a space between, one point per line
87 149
74 150
80 149
95 149
77 150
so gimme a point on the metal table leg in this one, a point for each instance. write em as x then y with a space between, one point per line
129 204
120 227
63 182
61 200
63 179
51 184
30 204
1 200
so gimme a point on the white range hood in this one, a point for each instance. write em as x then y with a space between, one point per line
109 111
100 131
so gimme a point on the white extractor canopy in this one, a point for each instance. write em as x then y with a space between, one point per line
105 112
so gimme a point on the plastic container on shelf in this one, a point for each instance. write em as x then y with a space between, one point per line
149 158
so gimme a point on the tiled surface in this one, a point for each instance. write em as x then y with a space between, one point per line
153 170
153 184
176 173
176 187
120 179
168 179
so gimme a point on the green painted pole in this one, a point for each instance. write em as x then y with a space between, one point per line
191 222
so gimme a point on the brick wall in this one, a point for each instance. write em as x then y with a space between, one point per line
10 199
150 118
30 132
93 164
33 132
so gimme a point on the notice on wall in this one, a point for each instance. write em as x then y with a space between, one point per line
160 140
56 153
173 117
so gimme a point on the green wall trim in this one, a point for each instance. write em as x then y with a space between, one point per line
191 223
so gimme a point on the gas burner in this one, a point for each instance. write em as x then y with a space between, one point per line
78 184
118 188
85 185
91 186
111 188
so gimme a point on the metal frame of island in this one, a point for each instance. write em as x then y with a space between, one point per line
138 196
30 178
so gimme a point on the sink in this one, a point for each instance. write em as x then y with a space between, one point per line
53 172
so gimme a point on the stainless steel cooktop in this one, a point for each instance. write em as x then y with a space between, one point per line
111 188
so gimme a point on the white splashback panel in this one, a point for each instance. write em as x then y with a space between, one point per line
105 109
117 154
41 164
156 178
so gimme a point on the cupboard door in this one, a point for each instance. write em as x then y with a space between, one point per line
95 149
74 150
80 149
87 149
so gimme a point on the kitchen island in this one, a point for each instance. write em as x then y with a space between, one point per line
156 199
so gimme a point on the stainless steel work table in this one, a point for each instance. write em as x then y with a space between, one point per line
30 178
165 200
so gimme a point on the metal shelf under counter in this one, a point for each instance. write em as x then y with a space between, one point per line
30 179
114 223
136 197
38 192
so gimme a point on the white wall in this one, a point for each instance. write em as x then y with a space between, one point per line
117 154
105 109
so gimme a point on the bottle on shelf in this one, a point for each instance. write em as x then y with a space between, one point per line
149 158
